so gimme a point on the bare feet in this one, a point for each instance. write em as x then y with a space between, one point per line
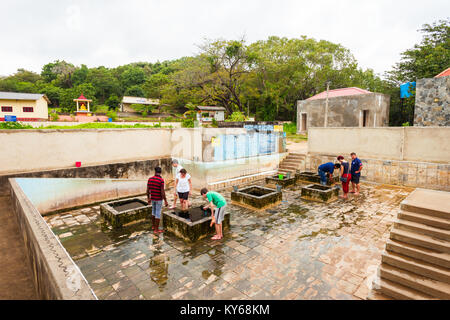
356 193
352 191
343 197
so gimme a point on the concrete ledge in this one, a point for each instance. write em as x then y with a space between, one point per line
56 276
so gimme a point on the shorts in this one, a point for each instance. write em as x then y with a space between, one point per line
183 195
355 178
156 208
219 214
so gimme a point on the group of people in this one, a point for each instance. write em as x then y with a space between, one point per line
347 172
183 190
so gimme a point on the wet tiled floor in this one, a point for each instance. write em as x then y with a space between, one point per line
295 250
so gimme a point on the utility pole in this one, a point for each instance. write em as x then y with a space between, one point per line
326 106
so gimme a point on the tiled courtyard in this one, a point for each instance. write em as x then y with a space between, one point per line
295 250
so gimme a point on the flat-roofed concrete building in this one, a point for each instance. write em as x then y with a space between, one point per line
24 106
127 101
346 107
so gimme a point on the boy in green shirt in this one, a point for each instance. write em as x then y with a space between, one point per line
217 204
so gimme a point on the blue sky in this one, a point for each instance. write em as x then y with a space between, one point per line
112 33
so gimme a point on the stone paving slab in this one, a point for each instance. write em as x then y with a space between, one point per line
296 250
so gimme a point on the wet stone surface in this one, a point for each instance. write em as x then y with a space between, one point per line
295 250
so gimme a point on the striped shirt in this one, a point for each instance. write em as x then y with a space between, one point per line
154 185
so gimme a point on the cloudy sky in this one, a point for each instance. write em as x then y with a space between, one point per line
113 32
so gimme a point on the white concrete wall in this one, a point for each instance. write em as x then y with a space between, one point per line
35 124
31 150
428 144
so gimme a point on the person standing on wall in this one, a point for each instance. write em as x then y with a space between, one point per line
356 173
217 204
183 187
155 197
325 170
345 176
178 168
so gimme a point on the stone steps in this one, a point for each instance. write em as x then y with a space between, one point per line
420 240
416 252
416 266
422 229
416 282
397 291
433 212
425 219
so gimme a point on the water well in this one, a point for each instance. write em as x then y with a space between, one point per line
191 225
256 197
320 193
125 211
313 177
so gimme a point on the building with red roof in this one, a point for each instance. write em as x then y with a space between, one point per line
344 107
444 73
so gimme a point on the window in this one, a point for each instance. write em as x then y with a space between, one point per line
28 109
7 109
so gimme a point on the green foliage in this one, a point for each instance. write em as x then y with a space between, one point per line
67 96
428 58
214 123
102 125
290 128
135 91
236 117
112 115
406 124
143 108
113 102
187 123
54 116
14 125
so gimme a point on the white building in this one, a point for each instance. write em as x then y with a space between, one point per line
24 106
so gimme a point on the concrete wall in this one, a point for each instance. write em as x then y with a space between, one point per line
401 143
432 102
55 274
33 150
66 123
134 170
345 111
40 108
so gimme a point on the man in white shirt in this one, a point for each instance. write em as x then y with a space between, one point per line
177 167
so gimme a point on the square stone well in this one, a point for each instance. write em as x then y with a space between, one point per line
320 193
313 177
180 224
121 212
286 182
256 197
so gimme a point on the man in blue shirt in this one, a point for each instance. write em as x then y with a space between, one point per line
327 169
356 173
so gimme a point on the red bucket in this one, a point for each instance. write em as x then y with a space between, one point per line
78 164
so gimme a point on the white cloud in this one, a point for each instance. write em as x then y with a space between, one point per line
112 32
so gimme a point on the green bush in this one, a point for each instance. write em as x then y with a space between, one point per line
236 117
14 125
187 123
290 128
54 116
112 115
406 124
168 119
214 123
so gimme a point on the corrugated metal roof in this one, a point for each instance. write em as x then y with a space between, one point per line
208 108
139 100
444 73
339 93
20 96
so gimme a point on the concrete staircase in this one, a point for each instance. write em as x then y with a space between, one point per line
292 163
416 262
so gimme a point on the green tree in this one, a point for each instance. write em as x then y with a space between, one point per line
133 76
135 91
113 102
104 82
428 58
